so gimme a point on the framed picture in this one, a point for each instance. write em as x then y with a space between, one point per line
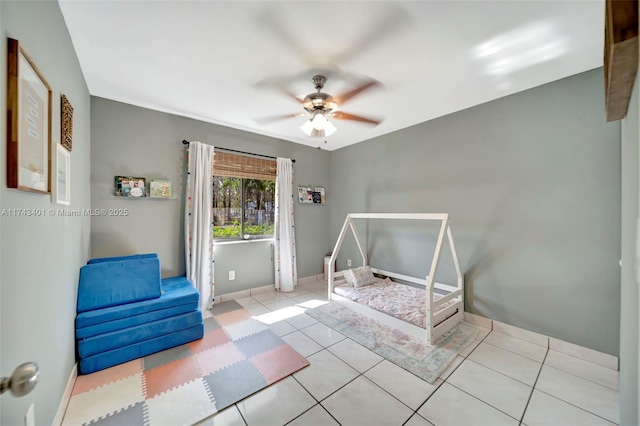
305 195
160 188
63 175
28 123
66 122
318 195
126 186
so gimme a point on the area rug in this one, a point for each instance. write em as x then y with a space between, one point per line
237 357
425 361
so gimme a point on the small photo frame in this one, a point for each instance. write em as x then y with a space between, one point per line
63 176
160 188
28 124
127 186
305 195
318 195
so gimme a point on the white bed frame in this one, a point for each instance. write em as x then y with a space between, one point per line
436 323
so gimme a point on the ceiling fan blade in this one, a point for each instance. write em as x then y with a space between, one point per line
339 115
280 86
271 19
346 96
390 20
269 120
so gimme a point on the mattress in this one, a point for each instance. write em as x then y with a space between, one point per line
128 336
176 291
137 350
398 300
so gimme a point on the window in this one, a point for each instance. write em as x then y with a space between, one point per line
243 197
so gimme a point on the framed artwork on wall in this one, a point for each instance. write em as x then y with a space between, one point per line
318 195
63 176
28 123
305 195
127 186
160 188
66 122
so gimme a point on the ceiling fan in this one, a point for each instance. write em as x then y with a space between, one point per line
321 107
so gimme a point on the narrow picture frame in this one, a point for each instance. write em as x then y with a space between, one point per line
318 195
66 122
63 176
29 98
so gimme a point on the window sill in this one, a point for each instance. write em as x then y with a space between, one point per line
225 243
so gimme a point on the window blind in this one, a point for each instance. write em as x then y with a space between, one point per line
243 166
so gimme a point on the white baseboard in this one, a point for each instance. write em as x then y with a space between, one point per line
263 289
586 354
311 279
478 320
66 396
571 349
235 295
521 333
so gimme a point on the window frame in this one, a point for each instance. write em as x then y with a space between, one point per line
243 236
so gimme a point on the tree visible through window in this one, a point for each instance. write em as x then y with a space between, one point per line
243 208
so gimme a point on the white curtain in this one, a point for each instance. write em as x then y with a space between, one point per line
285 238
198 221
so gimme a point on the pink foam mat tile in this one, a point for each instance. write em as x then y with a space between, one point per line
232 317
86 382
169 376
278 362
211 339
218 358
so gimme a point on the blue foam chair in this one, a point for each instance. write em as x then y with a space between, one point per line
126 310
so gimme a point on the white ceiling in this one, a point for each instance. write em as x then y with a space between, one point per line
205 59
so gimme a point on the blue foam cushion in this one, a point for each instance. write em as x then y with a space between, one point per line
119 324
128 336
117 282
176 291
130 257
137 350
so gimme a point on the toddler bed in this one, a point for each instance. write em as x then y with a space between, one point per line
419 311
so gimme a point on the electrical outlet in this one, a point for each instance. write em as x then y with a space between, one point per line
30 417
232 275
349 263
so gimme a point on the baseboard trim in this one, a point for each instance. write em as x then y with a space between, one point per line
263 289
586 354
66 396
571 349
310 279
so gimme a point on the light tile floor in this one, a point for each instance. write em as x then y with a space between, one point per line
498 380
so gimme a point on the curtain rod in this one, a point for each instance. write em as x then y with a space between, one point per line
186 142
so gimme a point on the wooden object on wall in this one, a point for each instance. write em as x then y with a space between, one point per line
620 55
66 125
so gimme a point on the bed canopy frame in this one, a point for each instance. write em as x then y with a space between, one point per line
437 321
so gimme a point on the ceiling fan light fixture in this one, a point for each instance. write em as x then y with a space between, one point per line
307 127
319 121
318 126
329 128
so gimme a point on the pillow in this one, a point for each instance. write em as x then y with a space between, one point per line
359 277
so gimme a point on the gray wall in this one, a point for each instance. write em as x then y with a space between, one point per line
135 141
532 185
629 330
41 256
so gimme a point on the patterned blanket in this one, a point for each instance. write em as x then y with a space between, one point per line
399 300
